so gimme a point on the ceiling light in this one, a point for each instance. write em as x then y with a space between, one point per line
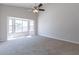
35 11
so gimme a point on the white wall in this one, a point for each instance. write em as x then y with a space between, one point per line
60 21
6 11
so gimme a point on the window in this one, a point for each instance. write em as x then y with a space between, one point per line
19 25
10 25
31 29
25 25
31 25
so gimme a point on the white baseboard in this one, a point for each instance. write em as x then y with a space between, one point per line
59 39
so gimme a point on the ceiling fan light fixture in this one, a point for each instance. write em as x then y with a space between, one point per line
35 11
36 8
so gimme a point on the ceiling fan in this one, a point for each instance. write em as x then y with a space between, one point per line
36 8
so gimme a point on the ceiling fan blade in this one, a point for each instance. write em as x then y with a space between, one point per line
40 5
41 9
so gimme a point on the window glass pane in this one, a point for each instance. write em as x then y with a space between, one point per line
31 25
10 25
31 31
18 25
25 25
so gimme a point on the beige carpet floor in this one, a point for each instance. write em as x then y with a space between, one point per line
38 45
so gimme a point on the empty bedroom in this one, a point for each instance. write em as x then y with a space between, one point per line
39 29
